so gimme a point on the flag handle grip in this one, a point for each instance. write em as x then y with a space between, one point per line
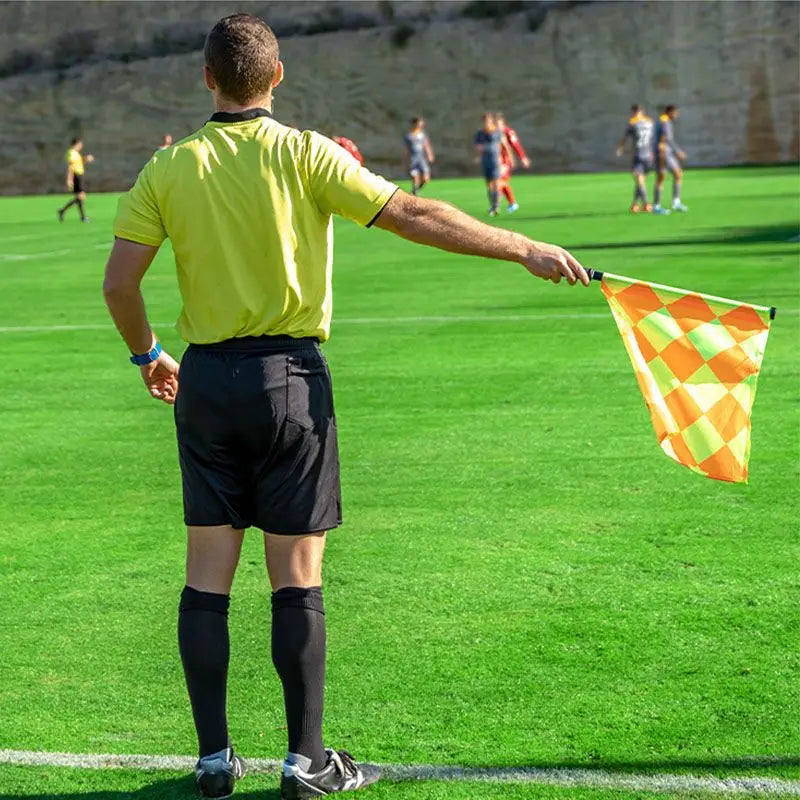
597 275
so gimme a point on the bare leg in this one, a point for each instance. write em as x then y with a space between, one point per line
677 181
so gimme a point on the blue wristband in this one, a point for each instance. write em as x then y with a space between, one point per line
147 358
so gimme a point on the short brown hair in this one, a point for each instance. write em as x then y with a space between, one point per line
241 52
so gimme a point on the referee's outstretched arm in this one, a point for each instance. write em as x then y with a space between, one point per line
441 225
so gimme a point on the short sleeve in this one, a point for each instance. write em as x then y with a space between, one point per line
340 185
138 217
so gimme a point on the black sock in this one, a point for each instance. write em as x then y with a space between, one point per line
80 207
71 203
298 653
205 651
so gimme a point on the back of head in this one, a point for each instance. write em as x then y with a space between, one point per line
500 118
76 142
636 109
670 110
241 52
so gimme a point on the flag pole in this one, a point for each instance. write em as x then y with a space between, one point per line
597 275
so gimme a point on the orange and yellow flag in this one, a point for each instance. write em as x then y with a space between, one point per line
697 359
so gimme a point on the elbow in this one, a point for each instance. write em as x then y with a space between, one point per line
116 291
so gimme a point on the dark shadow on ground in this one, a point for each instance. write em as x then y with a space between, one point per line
707 765
172 789
767 234
566 215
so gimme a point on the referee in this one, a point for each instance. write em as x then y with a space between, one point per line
247 204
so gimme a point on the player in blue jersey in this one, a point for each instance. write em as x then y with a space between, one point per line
668 156
490 144
419 154
640 131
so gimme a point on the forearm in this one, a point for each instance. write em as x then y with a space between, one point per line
127 309
438 224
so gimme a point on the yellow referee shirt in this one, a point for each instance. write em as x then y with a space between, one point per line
247 205
75 160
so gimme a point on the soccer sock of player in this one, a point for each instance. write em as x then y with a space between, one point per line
676 192
70 204
80 207
643 194
508 194
205 652
657 195
298 653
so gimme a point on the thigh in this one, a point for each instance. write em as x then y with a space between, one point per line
294 560
212 555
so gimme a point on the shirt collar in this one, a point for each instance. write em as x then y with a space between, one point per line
239 116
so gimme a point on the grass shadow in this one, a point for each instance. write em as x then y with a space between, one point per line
698 765
766 234
170 789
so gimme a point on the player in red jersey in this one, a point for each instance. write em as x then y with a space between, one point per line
350 146
506 160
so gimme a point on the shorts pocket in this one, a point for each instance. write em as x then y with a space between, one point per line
309 397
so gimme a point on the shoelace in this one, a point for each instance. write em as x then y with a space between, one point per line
345 763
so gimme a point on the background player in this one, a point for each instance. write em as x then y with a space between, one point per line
490 144
350 146
419 154
75 170
668 157
506 163
166 142
640 130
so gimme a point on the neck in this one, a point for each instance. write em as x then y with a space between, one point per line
232 107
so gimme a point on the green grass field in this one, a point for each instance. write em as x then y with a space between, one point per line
522 580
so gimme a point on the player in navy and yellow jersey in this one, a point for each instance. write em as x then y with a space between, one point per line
507 162
669 156
419 154
640 130
75 170
490 144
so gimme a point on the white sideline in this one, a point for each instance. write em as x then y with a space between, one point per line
344 321
49 253
442 319
577 778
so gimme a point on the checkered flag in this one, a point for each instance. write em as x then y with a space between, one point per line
697 360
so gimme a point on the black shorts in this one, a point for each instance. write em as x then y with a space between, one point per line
257 436
77 184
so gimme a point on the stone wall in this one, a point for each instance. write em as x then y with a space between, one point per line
565 74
